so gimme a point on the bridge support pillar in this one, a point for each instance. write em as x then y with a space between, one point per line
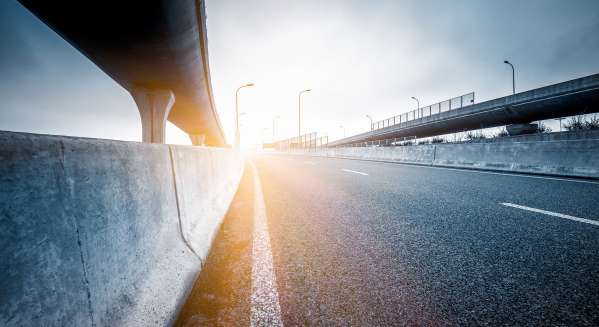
197 139
154 107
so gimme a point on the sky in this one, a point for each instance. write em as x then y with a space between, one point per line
358 57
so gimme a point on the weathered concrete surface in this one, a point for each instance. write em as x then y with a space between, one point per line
201 200
90 232
577 158
566 156
409 154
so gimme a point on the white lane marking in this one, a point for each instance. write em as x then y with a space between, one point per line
550 213
355 172
466 170
309 163
265 309
515 175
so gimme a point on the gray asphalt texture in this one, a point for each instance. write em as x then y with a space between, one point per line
409 245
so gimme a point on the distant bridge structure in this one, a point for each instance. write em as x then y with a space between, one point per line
577 96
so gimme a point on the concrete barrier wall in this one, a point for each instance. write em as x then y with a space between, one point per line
99 232
574 158
206 180
420 154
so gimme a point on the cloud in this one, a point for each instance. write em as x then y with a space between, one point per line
359 57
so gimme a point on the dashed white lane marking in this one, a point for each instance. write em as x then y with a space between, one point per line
355 172
504 174
265 309
550 213
466 170
310 162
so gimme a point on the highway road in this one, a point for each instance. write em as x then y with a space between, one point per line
359 243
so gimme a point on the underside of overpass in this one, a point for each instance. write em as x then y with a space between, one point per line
156 50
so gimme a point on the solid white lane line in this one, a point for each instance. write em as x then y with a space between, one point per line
515 175
265 309
355 172
550 213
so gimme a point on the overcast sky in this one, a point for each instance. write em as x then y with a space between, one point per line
359 57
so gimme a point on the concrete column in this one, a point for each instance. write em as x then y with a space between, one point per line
197 139
154 107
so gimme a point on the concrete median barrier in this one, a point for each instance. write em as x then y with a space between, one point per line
100 232
419 155
566 157
575 158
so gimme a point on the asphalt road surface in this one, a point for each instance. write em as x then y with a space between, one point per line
359 243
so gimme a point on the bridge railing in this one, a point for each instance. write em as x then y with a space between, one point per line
305 141
434 109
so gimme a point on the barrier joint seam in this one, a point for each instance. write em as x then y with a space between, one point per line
174 174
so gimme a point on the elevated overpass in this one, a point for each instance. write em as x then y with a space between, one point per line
156 50
568 98
112 233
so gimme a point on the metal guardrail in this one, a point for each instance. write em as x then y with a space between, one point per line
306 141
386 142
434 109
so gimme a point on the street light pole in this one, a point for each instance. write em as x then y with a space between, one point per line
273 126
418 104
299 112
371 123
237 113
513 76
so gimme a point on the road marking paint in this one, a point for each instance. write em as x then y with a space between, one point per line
466 170
355 172
265 309
309 162
550 213
516 175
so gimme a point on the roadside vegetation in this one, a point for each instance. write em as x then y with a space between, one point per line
502 133
472 136
543 128
580 123
575 123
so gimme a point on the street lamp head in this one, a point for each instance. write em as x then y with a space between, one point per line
414 98
506 62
